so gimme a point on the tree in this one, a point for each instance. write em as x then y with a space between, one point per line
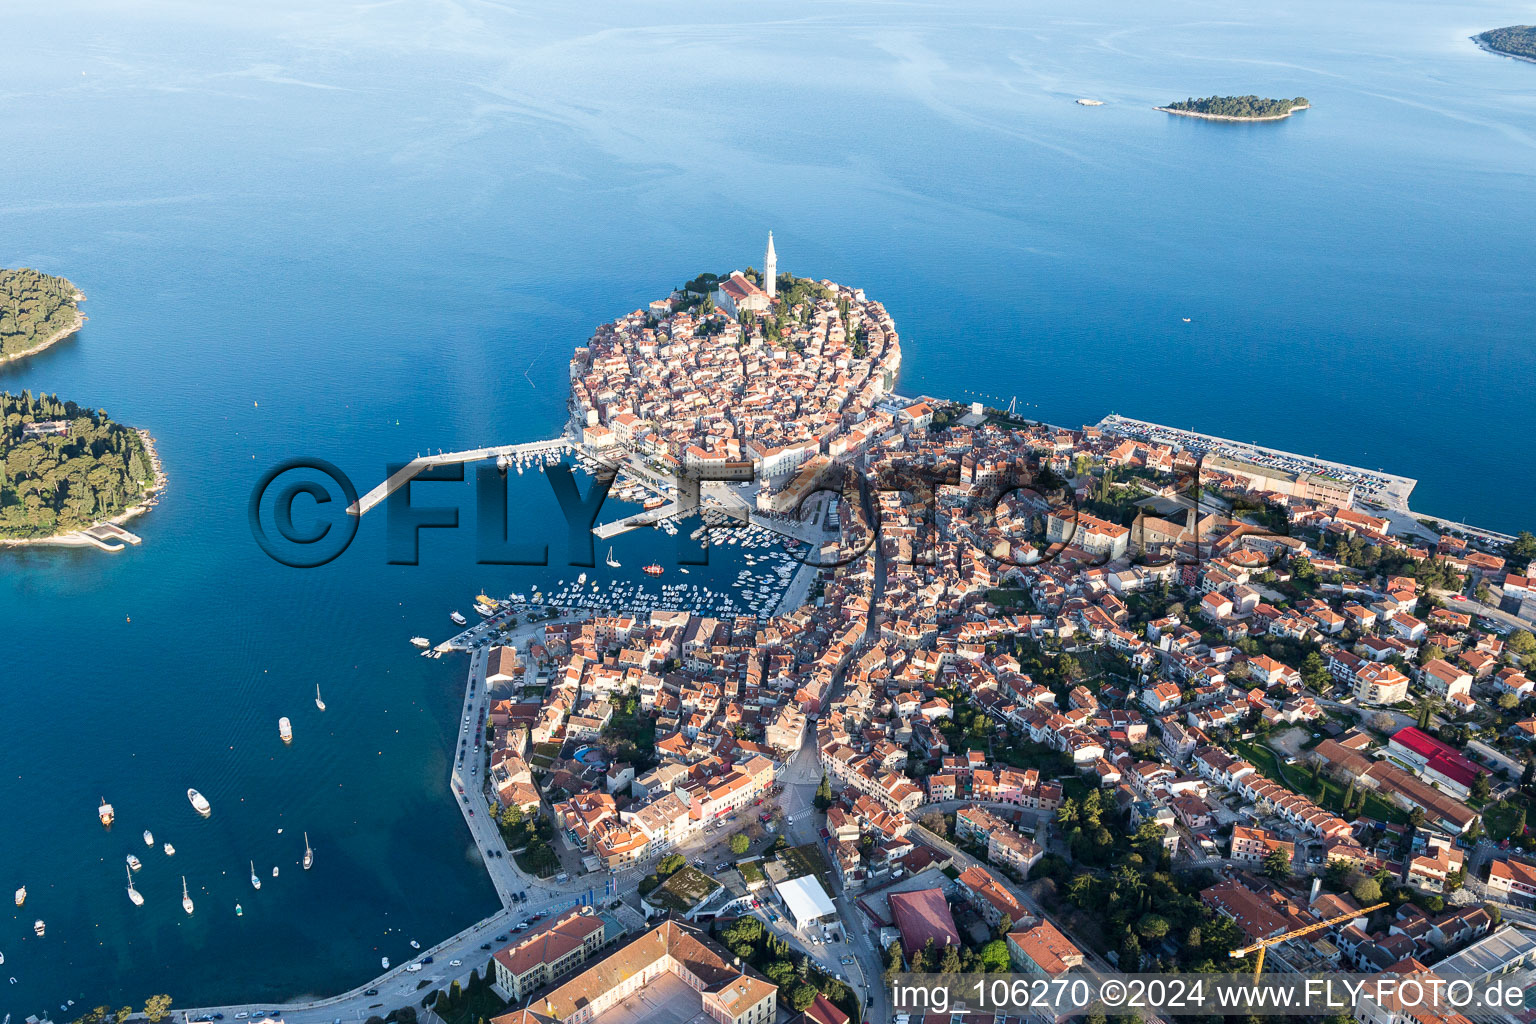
1367 891
1152 927
1527 774
949 963
994 955
670 864
1480 788
780 972
1521 642
740 843
824 794
122 1015
1130 954
1277 863
801 996
1508 701
157 1007
934 822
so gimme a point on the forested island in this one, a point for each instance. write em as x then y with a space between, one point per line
63 468
1237 108
1512 41
36 310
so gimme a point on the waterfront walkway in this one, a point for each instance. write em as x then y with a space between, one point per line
408 472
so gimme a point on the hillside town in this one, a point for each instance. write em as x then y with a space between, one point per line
1068 699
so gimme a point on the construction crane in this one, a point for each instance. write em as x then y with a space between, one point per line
1263 944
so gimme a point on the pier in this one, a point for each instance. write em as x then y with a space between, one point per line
414 468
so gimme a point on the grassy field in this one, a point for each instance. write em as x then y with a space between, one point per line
1324 792
808 860
683 890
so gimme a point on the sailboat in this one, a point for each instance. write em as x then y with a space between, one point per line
133 894
186 900
309 855
255 882
318 702
613 563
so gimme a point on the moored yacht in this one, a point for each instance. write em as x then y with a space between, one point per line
421 641
318 702
104 812
199 802
134 863
133 894
170 851
255 882
149 838
21 896
38 927
285 729
186 900
309 855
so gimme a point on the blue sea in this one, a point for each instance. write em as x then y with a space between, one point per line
358 232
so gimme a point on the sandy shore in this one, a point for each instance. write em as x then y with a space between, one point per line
77 538
57 337
1224 117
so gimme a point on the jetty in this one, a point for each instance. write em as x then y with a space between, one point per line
528 451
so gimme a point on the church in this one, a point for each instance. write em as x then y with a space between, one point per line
736 293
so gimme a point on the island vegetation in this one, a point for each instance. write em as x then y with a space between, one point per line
1512 40
63 468
36 310
1237 108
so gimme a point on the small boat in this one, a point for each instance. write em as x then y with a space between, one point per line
134 863
683 571
239 910
21 896
309 855
170 851
149 838
415 944
384 962
39 927
285 729
104 812
581 579
199 802
186 900
421 641
1186 319
654 569
255 882
458 618
274 870
318 702
133 894
613 563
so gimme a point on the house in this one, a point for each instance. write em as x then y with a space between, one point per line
1043 950
548 952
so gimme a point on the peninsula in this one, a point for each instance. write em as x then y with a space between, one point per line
36 310
1517 41
1236 108
68 475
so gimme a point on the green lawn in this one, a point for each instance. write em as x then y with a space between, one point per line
1499 819
808 860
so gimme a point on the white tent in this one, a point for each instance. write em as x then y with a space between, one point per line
806 900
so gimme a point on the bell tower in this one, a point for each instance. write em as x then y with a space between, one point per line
770 269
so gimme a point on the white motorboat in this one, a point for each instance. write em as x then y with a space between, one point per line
199 803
